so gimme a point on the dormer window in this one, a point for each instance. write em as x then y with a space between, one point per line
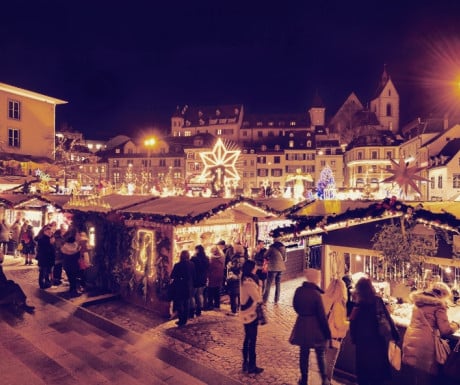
259 124
217 112
293 123
270 124
263 147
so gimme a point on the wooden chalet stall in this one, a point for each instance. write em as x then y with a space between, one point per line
347 244
38 209
162 228
108 237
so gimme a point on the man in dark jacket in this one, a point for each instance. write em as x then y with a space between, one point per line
201 262
45 256
183 276
276 257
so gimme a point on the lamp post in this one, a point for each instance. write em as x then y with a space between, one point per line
149 143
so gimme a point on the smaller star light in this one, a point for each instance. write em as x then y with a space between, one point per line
222 160
405 176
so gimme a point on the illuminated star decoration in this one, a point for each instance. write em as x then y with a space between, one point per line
219 165
405 176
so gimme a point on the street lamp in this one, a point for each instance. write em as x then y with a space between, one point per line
149 143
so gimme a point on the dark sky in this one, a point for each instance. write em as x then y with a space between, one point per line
125 66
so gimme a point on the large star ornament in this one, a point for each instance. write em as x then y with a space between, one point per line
218 158
405 176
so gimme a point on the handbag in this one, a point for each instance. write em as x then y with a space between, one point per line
261 314
82 263
394 355
385 324
451 369
441 345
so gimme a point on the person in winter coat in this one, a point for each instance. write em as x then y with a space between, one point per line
27 242
11 294
4 237
70 253
234 277
45 257
276 257
58 242
429 313
261 262
16 236
201 263
183 276
372 364
311 329
251 297
215 277
335 304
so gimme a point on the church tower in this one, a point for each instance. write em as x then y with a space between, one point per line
317 112
385 105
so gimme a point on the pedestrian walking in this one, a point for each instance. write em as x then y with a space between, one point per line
276 257
311 329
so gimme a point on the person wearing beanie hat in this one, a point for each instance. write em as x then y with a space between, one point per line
215 277
276 257
418 350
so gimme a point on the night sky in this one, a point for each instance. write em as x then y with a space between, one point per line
125 66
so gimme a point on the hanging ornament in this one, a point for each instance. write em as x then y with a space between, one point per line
405 176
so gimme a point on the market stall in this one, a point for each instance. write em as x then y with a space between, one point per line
163 227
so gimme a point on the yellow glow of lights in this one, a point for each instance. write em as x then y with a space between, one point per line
220 156
149 142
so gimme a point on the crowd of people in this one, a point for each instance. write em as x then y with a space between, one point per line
324 317
56 250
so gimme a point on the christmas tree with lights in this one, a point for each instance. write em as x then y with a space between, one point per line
326 184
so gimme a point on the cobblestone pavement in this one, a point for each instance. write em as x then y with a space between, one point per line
212 340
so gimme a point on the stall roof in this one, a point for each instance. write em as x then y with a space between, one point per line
360 237
106 203
450 207
24 200
329 207
191 210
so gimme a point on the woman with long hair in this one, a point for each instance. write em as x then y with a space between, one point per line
335 305
372 364
251 297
